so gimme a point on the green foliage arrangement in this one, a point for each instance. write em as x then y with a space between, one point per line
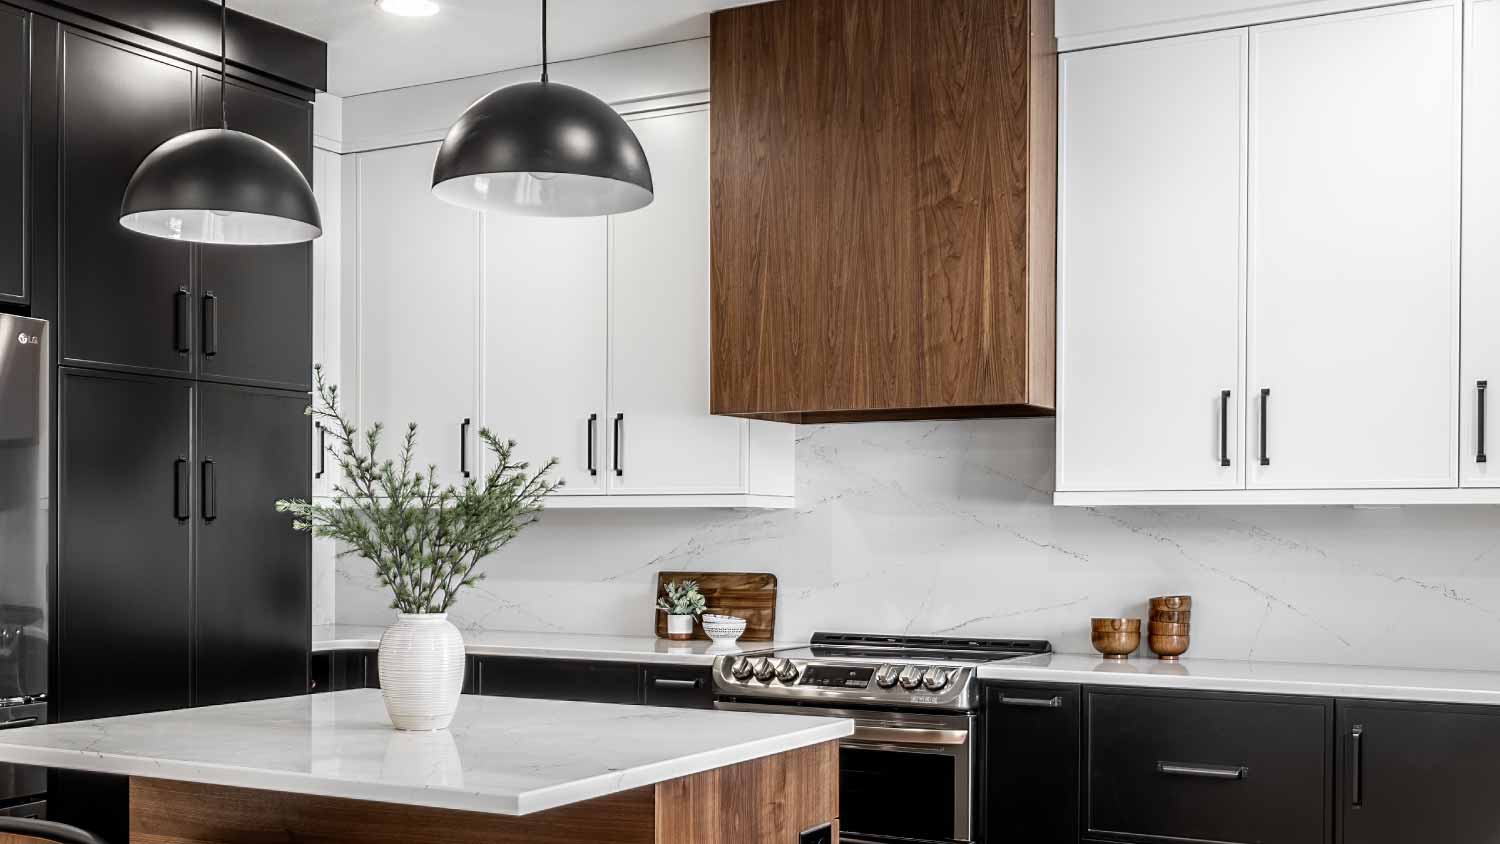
424 538
682 598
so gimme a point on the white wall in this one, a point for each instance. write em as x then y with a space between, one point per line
1095 23
947 527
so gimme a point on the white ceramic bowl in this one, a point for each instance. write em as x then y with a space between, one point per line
723 629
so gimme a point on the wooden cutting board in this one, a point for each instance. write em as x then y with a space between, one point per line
748 595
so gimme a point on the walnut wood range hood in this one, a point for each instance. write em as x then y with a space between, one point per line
884 204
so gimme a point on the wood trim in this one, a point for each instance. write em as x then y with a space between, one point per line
763 801
1041 205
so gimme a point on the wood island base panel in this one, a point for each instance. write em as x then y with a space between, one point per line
770 800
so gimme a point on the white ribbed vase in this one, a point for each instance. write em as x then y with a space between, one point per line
421 671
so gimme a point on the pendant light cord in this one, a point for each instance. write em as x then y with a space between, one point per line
544 40
224 63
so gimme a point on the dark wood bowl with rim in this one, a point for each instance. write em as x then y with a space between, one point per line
1116 638
1172 616
1163 628
1168 648
1172 602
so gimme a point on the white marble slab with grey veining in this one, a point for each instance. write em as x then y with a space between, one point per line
503 756
359 637
1231 675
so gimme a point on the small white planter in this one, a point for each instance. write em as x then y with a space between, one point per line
679 627
421 671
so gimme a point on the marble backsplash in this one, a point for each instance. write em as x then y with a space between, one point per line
948 527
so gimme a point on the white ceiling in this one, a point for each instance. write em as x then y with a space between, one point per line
370 50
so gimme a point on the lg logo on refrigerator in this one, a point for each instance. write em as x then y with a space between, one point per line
25 338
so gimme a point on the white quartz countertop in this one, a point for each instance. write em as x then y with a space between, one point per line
1225 675
504 756
348 637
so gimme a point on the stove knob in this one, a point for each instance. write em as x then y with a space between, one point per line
935 679
788 672
742 670
886 676
911 677
765 671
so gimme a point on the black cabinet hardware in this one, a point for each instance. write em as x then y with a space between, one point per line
210 324
180 328
1265 400
673 683
1356 765
322 449
1480 456
1212 772
210 491
1034 702
619 459
1224 428
18 722
593 425
180 490
463 447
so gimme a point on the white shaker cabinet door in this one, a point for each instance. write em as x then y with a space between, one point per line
1353 270
1150 265
661 437
1480 386
418 307
545 347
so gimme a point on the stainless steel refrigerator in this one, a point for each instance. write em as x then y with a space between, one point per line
24 471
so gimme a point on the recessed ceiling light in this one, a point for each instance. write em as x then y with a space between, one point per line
408 8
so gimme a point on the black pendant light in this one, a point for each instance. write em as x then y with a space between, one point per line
221 186
543 149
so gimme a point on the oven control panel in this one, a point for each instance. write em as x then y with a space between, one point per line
837 676
941 686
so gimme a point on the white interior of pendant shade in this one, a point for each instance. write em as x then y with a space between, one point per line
232 228
543 194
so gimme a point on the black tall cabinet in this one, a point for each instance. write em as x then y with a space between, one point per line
15 78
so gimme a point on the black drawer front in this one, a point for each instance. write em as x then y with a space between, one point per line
1222 768
559 679
681 686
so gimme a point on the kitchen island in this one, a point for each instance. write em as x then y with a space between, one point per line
329 768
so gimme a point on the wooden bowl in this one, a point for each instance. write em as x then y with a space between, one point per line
1172 602
1169 648
1116 625
1163 628
1116 644
1172 616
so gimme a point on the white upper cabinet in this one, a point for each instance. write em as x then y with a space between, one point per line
662 441
1151 264
417 285
1481 249
1353 250
545 354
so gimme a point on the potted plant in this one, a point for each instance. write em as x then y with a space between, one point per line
425 540
682 603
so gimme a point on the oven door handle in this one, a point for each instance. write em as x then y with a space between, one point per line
907 736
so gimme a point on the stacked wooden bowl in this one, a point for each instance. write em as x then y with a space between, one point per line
1116 638
1167 632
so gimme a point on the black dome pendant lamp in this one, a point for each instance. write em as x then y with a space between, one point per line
221 186
542 149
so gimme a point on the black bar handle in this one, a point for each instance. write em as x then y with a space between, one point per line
180 327
322 449
1356 765
1480 456
210 324
210 491
1212 772
1224 428
180 492
1035 702
619 460
593 426
463 447
1265 401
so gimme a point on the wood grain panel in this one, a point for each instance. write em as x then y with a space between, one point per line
764 801
883 193
746 595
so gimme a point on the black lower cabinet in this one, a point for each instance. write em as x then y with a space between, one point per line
1029 774
679 686
1162 766
1418 772
336 671
559 679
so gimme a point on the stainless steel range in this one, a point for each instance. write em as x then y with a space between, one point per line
907 773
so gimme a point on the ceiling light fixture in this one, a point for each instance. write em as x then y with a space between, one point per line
220 186
543 149
408 8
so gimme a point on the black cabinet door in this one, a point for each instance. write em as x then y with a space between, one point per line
15 90
255 304
559 679
682 686
1030 770
1418 772
251 585
124 545
1208 767
125 297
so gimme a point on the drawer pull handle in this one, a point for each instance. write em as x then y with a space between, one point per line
1356 766
1224 428
669 683
18 722
1265 454
1035 702
1213 772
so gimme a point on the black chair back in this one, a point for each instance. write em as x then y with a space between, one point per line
48 831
